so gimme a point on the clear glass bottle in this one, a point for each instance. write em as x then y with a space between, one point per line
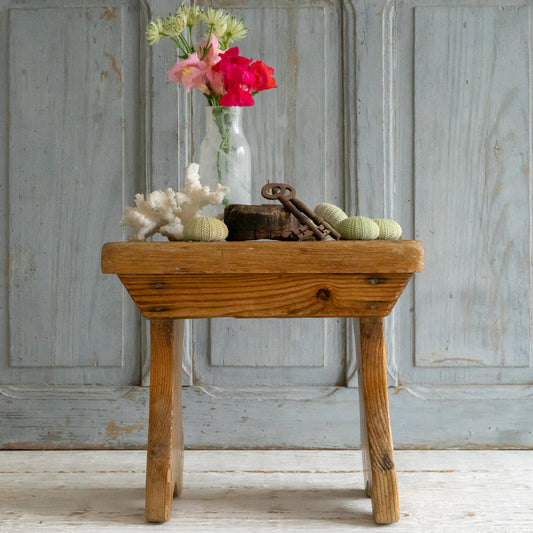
225 157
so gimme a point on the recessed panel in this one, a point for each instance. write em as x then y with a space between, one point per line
472 186
296 136
268 344
65 175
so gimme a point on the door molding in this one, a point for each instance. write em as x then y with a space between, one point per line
267 417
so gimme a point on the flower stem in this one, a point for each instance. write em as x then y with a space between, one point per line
187 46
224 129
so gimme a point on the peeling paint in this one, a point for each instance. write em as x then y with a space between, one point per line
109 13
114 65
459 360
113 430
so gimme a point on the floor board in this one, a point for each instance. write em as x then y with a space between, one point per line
265 491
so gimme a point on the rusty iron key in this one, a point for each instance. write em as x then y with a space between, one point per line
315 225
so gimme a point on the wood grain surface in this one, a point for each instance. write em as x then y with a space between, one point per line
298 282
63 138
164 465
313 491
377 448
262 257
265 295
254 222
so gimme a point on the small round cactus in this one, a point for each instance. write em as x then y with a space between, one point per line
358 229
205 229
388 229
332 214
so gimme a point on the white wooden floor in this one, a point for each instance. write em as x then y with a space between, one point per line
260 491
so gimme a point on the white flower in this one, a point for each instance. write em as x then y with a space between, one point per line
217 21
194 15
173 25
235 30
153 32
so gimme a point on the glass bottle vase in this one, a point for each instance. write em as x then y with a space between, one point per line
225 157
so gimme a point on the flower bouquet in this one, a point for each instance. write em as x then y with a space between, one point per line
228 80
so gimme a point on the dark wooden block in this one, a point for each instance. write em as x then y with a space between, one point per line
254 222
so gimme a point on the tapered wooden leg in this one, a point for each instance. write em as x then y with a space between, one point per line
367 470
178 412
376 436
164 464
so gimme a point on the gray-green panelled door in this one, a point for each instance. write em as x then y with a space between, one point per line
417 111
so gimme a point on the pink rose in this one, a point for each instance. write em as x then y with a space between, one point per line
191 73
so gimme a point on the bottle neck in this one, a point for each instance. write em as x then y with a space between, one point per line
220 118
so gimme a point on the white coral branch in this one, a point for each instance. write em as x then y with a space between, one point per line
168 212
194 197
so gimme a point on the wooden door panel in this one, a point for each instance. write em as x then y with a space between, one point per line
302 351
462 146
481 170
296 136
417 111
70 91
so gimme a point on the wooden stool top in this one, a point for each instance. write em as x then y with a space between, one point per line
264 278
263 257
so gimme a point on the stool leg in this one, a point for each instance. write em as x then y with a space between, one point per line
376 436
177 456
367 469
164 463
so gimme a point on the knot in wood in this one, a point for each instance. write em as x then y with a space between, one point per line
323 294
386 462
158 309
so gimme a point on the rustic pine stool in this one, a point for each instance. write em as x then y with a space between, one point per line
172 281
